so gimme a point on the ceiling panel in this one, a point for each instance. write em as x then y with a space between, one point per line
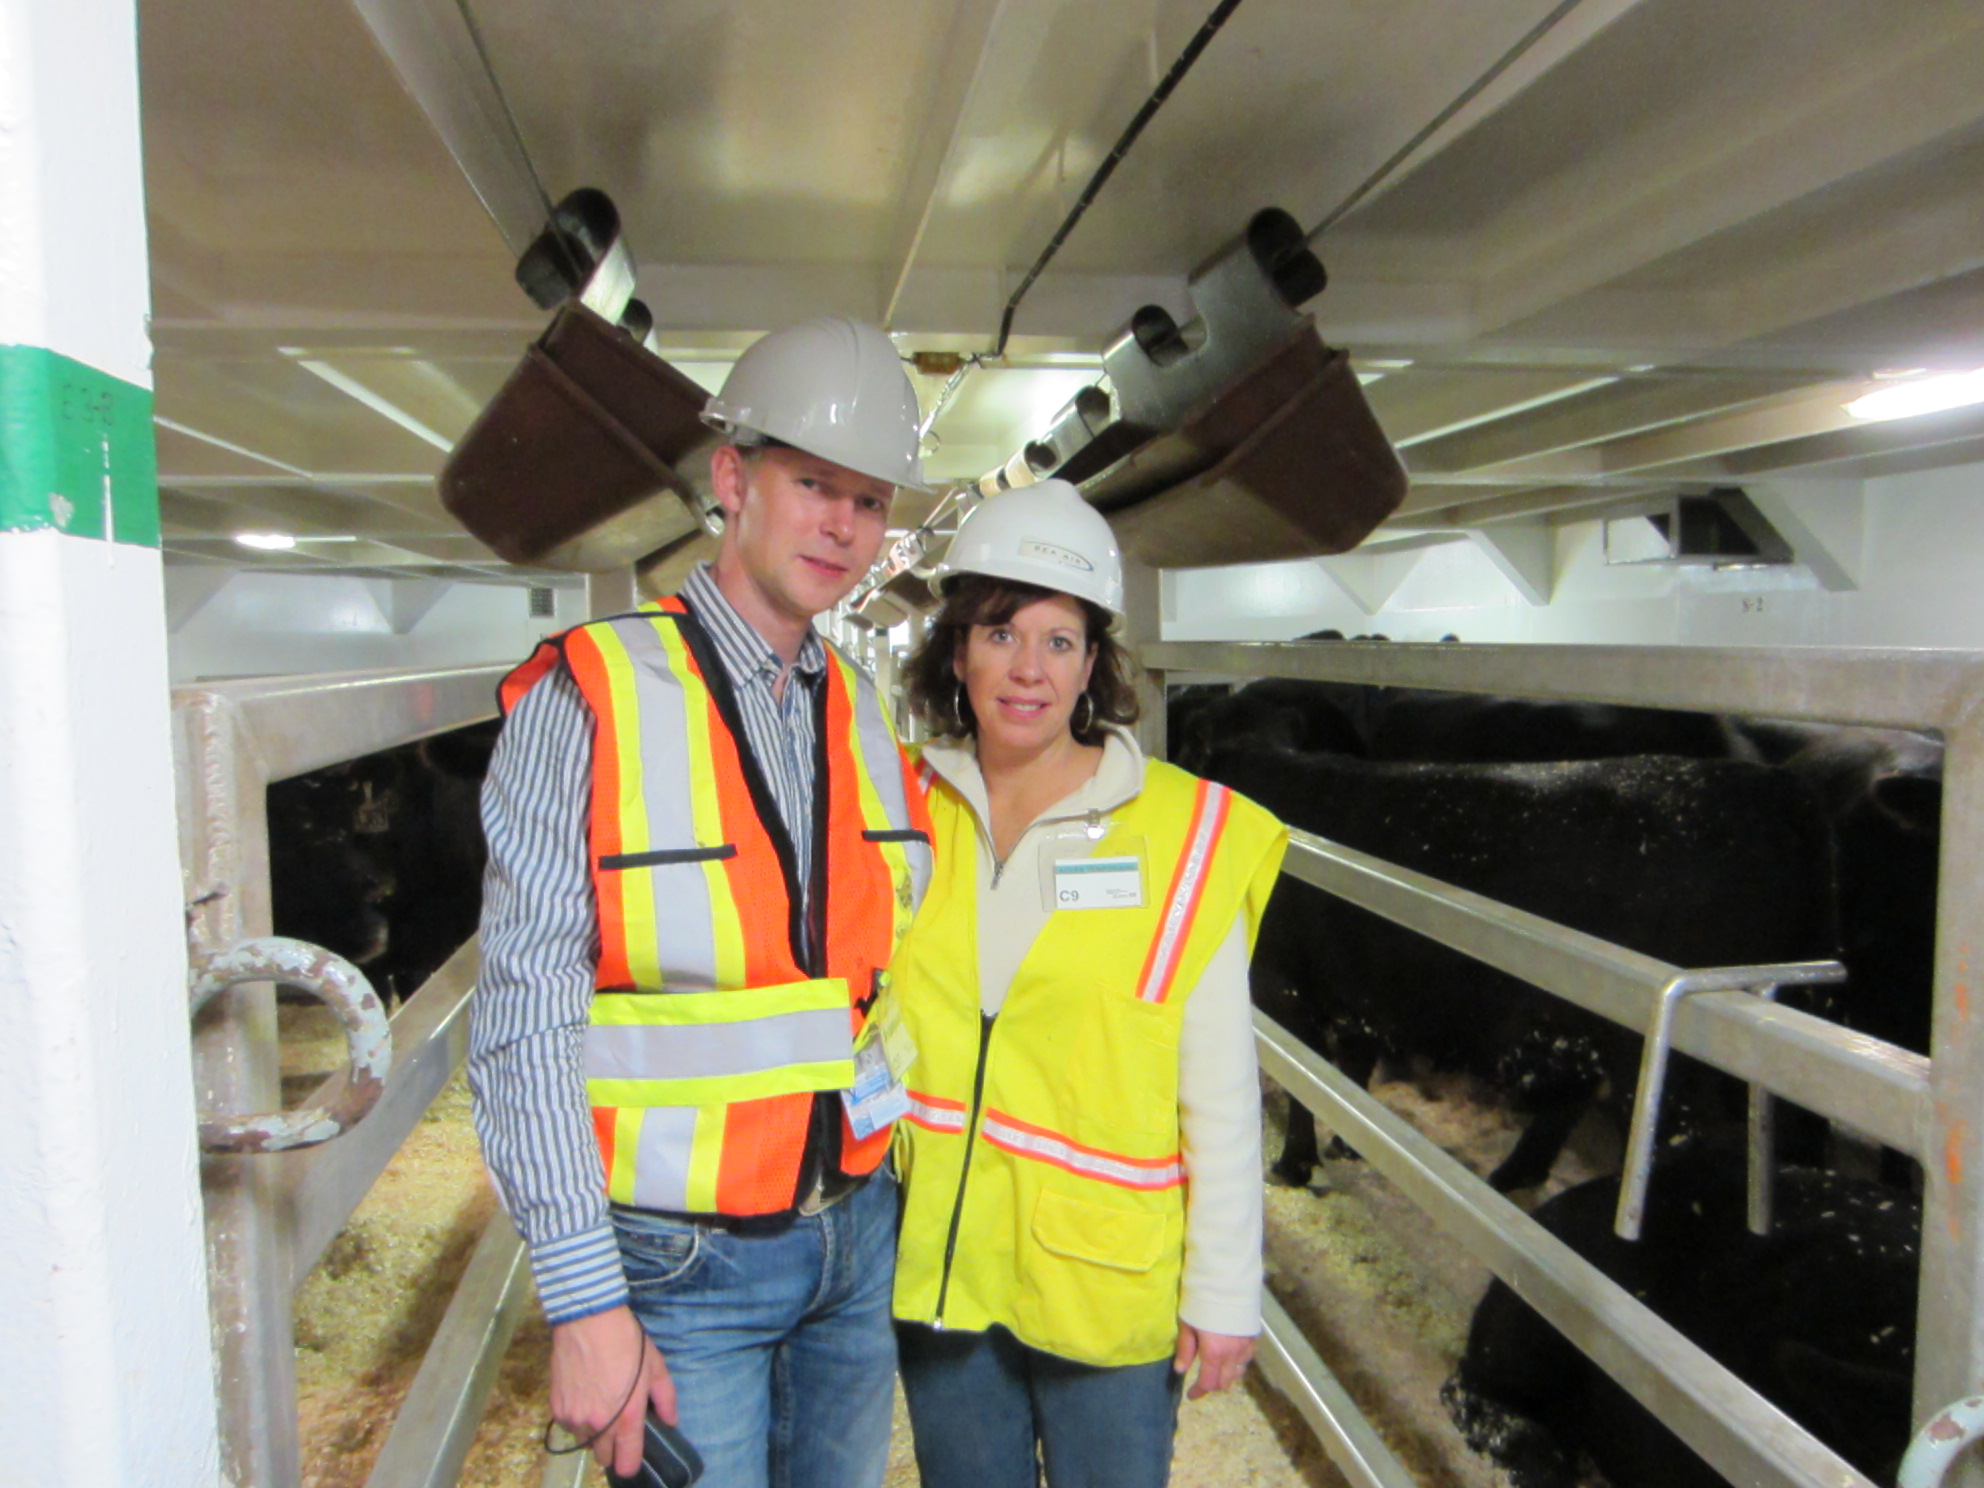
1664 245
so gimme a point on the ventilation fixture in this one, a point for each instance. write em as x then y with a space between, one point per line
1721 528
543 602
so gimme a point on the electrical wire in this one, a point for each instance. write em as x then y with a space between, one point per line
951 386
1108 167
1508 59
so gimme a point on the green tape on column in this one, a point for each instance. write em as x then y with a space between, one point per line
76 450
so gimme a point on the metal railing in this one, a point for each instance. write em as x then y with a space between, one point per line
1925 1108
270 1216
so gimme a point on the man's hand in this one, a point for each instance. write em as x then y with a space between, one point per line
1222 1359
596 1391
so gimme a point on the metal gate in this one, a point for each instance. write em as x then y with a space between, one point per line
1929 1109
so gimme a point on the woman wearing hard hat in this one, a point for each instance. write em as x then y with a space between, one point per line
1081 1154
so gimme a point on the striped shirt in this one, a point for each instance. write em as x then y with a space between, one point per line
540 944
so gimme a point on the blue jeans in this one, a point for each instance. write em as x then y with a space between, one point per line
979 1401
780 1345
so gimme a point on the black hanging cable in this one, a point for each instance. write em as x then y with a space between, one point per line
1108 167
1508 59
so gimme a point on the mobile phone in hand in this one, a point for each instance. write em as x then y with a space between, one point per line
667 1459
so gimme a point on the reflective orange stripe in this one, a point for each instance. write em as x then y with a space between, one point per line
1188 882
525 677
602 1128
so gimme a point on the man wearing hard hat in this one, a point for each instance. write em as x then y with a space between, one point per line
704 845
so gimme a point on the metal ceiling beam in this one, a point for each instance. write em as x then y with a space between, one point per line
430 46
1700 442
1608 412
954 95
1522 506
1582 230
1416 404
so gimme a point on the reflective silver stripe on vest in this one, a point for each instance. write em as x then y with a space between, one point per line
1044 1146
661 1158
705 1051
925 1111
881 761
679 893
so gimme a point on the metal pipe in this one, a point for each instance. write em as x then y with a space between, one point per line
1739 1433
347 1096
230 740
1871 1085
321 1187
1659 1044
1949 1347
1760 1203
437 1420
1897 687
224 854
1942 1439
1292 1365
304 723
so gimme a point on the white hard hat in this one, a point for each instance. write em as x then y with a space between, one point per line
832 387
1043 534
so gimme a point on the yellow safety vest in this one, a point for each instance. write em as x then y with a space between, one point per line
717 1016
1044 1185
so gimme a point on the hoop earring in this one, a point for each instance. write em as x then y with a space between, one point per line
1082 728
957 707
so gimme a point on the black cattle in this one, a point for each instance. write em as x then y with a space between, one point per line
323 887
1462 728
1818 1317
1695 862
1283 711
380 858
1883 789
1416 724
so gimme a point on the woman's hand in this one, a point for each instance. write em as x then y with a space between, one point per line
1222 1358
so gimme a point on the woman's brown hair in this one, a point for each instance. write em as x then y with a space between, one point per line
938 698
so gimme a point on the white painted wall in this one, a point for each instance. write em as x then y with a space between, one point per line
259 624
1905 550
106 1370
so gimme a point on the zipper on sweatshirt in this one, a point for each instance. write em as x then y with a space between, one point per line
1094 820
964 1172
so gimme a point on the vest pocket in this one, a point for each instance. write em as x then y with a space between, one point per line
1123 1239
617 862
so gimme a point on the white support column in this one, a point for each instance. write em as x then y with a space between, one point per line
106 1364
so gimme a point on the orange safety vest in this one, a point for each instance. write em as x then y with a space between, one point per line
704 1103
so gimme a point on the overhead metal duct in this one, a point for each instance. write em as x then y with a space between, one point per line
1237 436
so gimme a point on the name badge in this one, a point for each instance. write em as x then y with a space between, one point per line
882 1056
1098 883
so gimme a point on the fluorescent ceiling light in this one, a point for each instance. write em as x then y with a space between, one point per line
384 407
1924 395
269 542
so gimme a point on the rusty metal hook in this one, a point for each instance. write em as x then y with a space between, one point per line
341 987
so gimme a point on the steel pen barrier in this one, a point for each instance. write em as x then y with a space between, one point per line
271 1214
1929 1109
